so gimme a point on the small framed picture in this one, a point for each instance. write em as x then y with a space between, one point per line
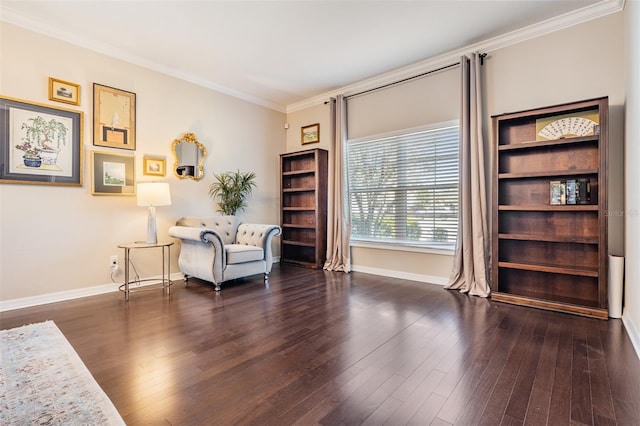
112 174
153 166
64 91
114 117
310 134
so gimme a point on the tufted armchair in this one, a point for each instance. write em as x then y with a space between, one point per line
220 248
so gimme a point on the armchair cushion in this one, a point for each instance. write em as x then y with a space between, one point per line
238 253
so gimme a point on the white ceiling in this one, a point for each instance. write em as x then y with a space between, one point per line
279 53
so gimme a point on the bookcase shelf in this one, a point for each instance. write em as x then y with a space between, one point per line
578 207
304 207
292 225
298 172
547 143
549 173
550 256
298 189
567 270
549 238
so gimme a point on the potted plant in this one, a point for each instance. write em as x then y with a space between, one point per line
31 157
232 189
42 140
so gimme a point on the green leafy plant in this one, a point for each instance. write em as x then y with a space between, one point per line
41 134
232 189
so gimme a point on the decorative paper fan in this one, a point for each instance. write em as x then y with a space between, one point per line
568 127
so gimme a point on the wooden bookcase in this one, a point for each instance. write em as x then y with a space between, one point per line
304 207
543 255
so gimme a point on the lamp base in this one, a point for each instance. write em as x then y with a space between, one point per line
152 231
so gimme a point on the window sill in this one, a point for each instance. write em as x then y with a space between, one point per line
448 251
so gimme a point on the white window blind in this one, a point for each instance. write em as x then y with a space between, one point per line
403 189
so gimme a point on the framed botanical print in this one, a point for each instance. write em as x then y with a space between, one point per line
114 117
40 144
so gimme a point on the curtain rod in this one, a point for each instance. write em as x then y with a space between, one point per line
404 80
482 56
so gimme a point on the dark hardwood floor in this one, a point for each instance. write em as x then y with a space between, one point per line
316 347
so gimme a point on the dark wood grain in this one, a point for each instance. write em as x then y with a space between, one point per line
304 207
551 256
316 347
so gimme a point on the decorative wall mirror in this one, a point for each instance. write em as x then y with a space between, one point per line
189 157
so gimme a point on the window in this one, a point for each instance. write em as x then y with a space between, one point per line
403 188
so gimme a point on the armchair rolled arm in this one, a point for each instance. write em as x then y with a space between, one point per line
191 236
186 233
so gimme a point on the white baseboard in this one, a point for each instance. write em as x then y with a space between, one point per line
633 334
401 275
26 302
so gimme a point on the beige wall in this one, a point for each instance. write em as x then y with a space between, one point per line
426 100
316 114
631 312
59 239
581 62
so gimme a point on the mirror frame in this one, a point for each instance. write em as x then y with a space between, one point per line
190 138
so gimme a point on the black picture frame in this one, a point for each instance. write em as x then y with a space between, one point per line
30 157
114 117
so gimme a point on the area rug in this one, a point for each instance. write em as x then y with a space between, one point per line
43 381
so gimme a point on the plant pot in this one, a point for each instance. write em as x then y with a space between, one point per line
32 161
49 156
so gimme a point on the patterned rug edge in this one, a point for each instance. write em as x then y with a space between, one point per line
44 381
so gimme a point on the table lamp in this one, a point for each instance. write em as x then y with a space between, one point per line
153 194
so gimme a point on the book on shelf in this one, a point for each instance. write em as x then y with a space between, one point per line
557 192
583 191
571 191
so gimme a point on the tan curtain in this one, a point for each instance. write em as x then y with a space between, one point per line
470 262
338 217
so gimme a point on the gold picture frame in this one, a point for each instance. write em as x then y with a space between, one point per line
40 144
64 91
112 173
154 166
310 134
114 117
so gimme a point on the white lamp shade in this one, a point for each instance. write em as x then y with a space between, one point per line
154 194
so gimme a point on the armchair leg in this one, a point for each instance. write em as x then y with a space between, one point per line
217 286
186 278
266 278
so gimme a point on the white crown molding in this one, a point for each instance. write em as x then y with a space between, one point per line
594 11
585 14
15 18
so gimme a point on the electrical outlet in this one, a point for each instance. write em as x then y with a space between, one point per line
113 261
